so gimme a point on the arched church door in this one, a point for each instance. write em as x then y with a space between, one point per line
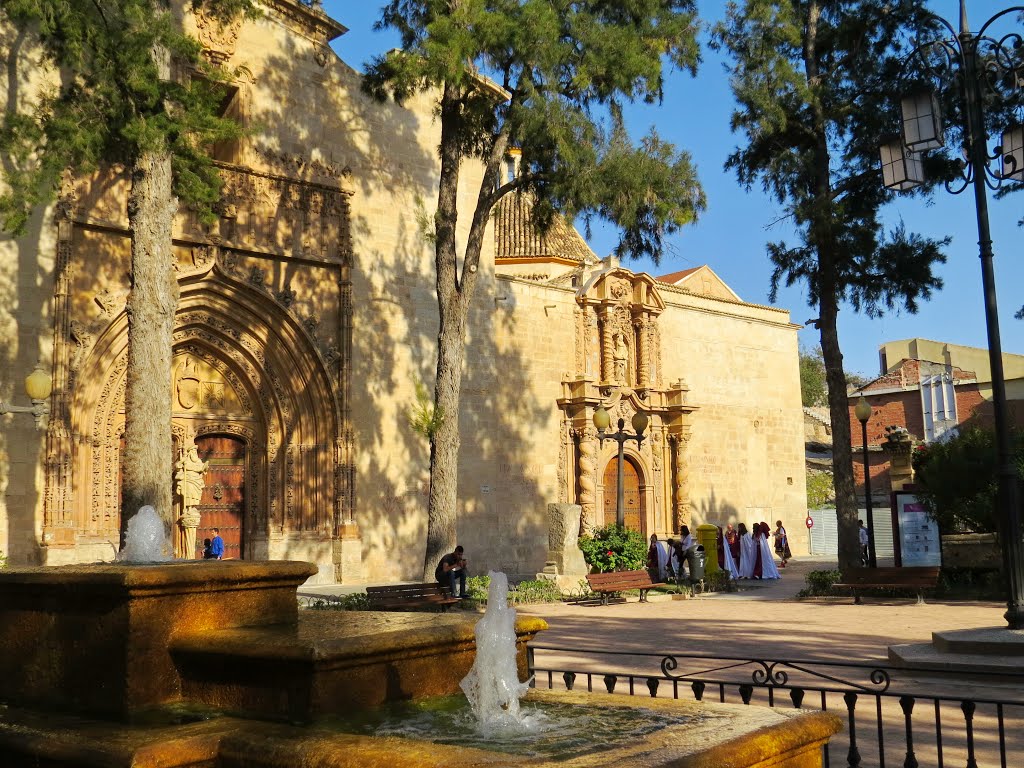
223 502
632 499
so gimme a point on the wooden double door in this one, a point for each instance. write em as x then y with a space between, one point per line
223 501
632 498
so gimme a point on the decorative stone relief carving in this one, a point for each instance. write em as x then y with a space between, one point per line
186 384
110 302
217 37
286 297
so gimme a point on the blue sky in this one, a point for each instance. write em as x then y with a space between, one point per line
732 233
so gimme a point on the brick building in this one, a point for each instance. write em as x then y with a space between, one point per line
928 389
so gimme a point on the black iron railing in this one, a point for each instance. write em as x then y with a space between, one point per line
931 720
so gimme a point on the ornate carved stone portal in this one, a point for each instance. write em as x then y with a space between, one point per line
618 366
262 343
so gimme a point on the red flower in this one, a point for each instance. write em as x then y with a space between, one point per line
610 553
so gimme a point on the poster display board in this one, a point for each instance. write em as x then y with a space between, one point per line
917 541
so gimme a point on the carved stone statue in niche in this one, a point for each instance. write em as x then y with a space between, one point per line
189 482
619 357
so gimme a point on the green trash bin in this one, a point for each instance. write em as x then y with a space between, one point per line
695 560
707 537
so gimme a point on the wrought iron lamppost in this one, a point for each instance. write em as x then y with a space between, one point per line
984 70
639 422
863 412
37 386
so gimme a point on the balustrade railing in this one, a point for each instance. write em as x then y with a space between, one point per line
894 717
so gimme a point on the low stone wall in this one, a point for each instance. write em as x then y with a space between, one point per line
971 550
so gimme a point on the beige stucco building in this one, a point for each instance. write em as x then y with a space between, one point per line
308 317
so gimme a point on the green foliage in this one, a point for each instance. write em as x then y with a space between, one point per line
565 69
3 561
614 548
813 390
357 601
535 591
425 417
477 586
957 479
820 490
120 102
819 583
812 127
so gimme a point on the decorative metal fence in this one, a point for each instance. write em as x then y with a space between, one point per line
933 719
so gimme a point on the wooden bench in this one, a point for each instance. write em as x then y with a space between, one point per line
918 579
606 584
410 597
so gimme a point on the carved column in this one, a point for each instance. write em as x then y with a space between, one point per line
607 346
588 476
680 486
57 514
643 352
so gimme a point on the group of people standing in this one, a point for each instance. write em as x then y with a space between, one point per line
750 553
741 553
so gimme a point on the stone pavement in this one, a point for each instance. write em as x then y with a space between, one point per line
765 621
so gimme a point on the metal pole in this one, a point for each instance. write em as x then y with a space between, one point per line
872 560
620 503
1008 499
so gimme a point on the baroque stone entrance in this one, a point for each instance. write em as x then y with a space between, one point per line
618 367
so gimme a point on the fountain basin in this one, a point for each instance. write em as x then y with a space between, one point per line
333 662
714 735
95 638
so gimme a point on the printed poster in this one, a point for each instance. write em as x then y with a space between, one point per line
920 542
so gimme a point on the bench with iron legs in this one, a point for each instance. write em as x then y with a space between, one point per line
917 579
607 584
410 597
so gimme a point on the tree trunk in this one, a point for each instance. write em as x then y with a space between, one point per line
839 414
822 238
146 460
453 308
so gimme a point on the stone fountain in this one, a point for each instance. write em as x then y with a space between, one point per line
211 664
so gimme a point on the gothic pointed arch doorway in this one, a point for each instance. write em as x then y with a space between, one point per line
632 495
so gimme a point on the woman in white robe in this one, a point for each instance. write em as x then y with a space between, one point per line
728 563
747 553
768 567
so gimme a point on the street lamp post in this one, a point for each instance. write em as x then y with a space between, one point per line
37 386
863 412
982 67
601 421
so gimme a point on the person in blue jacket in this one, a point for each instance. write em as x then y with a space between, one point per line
217 546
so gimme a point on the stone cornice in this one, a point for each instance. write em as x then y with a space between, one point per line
307 19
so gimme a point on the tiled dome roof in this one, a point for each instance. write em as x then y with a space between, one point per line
515 236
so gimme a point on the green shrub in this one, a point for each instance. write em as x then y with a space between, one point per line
535 591
614 548
477 586
354 602
957 479
820 583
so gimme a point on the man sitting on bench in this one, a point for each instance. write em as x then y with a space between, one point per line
452 567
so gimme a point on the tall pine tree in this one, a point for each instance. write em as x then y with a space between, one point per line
554 69
115 102
813 80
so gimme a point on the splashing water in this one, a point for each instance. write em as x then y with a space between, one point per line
492 685
146 539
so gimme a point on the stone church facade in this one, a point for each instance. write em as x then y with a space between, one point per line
307 320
